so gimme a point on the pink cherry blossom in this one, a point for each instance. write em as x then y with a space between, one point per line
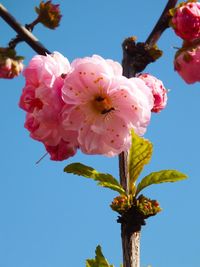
186 20
45 70
158 90
105 105
187 63
41 99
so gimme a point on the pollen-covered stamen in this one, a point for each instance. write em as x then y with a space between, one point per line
102 104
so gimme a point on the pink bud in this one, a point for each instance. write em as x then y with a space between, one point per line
158 90
187 63
10 67
186 20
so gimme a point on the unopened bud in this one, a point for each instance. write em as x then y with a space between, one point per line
10 64
121 204
147 206
186 20
48 14
187 62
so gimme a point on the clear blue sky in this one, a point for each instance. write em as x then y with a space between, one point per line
49 218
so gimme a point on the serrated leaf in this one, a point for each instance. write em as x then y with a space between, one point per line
99 261
104 179
140 154
159 177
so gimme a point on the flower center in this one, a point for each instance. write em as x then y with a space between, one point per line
102 104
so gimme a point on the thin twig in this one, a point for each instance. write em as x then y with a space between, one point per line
24 34
162 24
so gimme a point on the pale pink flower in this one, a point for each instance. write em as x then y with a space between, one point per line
45 70
187 63
105 106
10 68
186 20
41 98
158 90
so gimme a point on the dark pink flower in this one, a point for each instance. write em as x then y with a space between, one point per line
186 20
63 150
41 99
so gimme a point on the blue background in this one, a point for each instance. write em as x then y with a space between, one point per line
49 218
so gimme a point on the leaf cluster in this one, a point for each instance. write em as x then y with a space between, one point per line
139 155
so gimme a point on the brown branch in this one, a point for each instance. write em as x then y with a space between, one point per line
123 170
135 59
136 56
161 25
24 34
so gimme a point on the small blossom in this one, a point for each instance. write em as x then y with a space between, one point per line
158 90
41 99
105 105
48 14
187 63
10 64
186 20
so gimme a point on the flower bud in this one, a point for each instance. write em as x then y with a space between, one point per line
48 14
187 62
158 90
147 206
10 64
186 20
121 204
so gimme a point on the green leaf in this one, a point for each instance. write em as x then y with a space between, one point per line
104 179
99 261
159 177
139 155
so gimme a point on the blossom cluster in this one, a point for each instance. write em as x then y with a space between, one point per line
186 24
87 105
